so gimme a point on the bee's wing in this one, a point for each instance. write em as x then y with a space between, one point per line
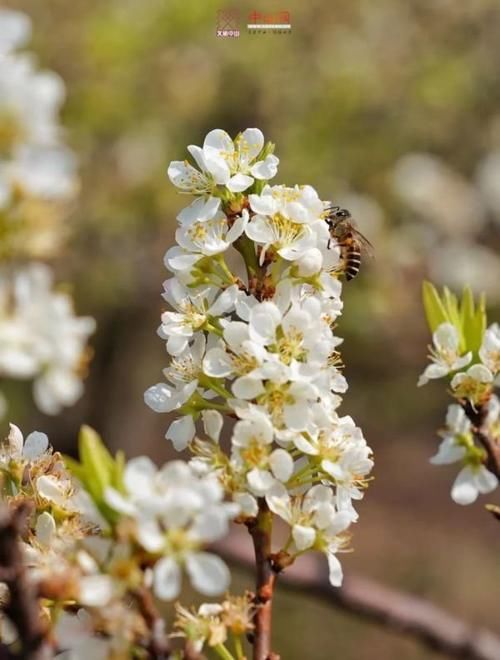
366 246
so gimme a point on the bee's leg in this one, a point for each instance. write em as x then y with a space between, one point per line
329 243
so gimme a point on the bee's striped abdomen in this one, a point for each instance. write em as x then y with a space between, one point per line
352 259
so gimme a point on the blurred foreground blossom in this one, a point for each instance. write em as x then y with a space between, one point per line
37 171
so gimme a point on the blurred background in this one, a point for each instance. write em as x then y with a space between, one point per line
391 109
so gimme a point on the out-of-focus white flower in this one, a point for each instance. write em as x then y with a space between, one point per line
41 338
479 266
487 177
15 29
445 354
176 512
438 194
43 172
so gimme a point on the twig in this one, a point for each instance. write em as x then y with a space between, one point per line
22 607
260 530
477 417
159 645
390 608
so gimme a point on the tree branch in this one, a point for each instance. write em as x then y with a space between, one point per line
390 608
22 607
260 530
477 417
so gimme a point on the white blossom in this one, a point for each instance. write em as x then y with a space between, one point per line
224 162
445 354
176 513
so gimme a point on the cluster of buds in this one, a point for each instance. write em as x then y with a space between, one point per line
255 296
103 538
40 338
467 352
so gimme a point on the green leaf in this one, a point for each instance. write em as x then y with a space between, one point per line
434 308
97 462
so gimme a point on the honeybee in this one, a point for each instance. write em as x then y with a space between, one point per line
351 241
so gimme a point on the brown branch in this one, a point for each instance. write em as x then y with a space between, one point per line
395 610
22 607
159 644
260 530
477 416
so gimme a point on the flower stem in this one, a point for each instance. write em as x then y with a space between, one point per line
238 647
260 531
223 653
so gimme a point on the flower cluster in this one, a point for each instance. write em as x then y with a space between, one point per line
255 297
40 337
100 545
468 352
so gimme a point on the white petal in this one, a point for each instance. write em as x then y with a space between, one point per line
278 501
265 169
219 140
264 319
432 371
448 452
251 142
160 398
95 590
181 432
334 570
212 423
281 464
303 536
15 440
209 574
260 481
166 579
118 502
247 387
51 489
486 481
149 534
239 182
224 302
464 490
217 363
248 504
446 337
45 529
139 475
35 445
